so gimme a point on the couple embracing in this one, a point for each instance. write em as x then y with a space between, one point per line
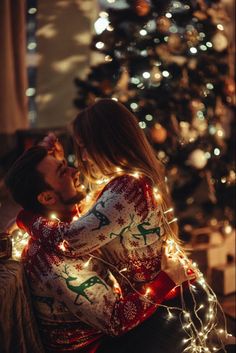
107 273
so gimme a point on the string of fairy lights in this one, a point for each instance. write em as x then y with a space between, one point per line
198 340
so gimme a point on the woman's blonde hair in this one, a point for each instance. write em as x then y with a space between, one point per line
113 139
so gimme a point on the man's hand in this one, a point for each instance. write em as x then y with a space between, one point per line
175 268
54 147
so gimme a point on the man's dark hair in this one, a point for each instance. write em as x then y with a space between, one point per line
25 182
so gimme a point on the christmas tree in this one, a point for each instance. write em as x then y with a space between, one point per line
168 62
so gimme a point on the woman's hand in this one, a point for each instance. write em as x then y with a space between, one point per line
54 147
176 269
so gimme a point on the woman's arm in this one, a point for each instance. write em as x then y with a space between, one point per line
124 202
94 301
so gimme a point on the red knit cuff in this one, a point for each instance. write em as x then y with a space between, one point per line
162 285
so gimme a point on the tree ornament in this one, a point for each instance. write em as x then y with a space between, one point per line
175 43
200 15
220 42
158 133
187 134
196 105
192 37
163 24
197 159
142 7
156 75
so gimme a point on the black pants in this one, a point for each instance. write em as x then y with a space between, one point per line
158 334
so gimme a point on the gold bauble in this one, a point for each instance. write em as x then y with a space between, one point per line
158 133
142 7
163 24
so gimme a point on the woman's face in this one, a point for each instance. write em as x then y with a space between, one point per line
83 152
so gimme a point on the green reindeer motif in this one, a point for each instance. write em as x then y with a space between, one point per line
104 220
80 290
123 230
146 231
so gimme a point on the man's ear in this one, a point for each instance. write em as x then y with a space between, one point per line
46 198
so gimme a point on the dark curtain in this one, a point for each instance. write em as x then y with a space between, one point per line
13 75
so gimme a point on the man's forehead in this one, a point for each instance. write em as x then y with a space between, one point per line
48 164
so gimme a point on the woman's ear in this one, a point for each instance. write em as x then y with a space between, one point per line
46 198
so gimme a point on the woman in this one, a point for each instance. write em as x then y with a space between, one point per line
131 220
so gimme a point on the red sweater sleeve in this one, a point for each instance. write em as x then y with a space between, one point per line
134 309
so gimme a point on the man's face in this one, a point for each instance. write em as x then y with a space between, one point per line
60 177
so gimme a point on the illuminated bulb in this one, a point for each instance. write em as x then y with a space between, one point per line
53 216
170 315
75 218
168 15
143 32
86 264
136 175
193 50
99 45
209 44
203 47
209 86
118 169
173 220
142 124
32 10
220 27
30 92
108 58
149 117
88 198
135 80
170 210
148 291
101 24
123 269
133 106
216 151
31 45
201 306
165 73
62 246
146 74
228 229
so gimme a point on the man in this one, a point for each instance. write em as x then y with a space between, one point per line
77 299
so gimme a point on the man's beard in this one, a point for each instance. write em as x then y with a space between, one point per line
72 200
